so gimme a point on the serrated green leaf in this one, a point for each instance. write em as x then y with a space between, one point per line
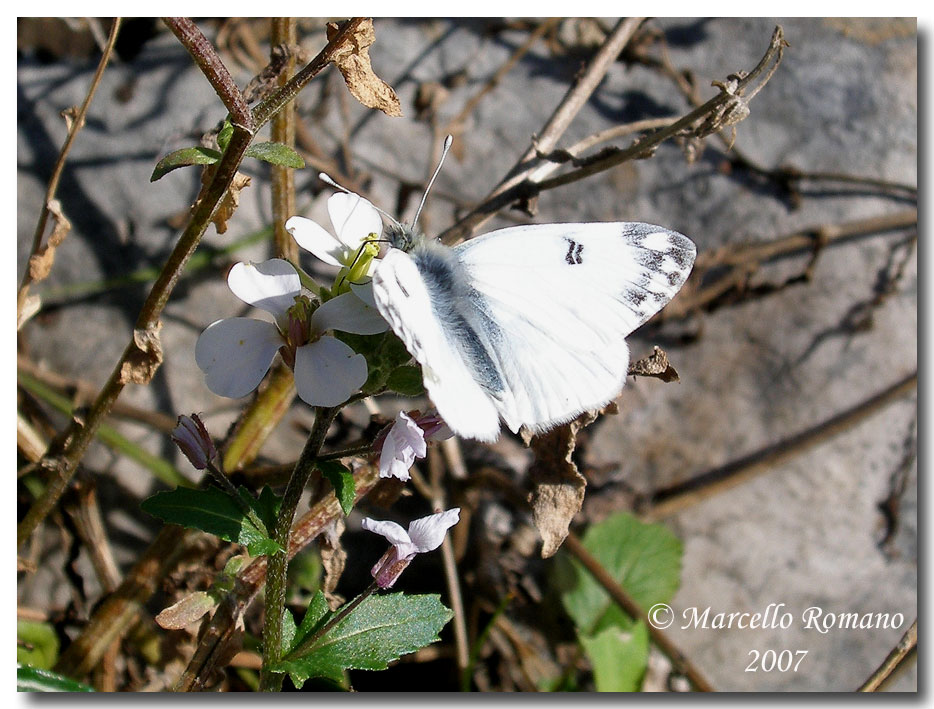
195 155
384 353
266 506
406 380
213 511
288 630
276 153
315 616
342 481
618 658
36 644
32 679
645 559
381 629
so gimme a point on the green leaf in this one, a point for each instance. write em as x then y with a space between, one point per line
618 658
214 511
288 630
225 134
31 679
645 559
195 155
406 380
266 506
36 644
381 629
342 481
276 153
384 353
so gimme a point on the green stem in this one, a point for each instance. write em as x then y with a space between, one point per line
278 563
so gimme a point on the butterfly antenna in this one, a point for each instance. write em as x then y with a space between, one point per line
444 151
324 177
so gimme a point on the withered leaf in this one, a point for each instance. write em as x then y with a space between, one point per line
559 487
40 263
655 365
353 61
188 610
228 205
333 559
141 364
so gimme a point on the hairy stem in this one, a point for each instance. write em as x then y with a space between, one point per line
277 567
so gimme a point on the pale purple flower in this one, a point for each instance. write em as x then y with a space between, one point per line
404 441
424 534
193 439
236 353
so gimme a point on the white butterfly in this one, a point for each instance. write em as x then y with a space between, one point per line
527 323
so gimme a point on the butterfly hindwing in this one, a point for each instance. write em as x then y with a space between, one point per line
566 296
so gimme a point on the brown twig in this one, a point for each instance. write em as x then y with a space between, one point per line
742 260
77 124
205 56
456 123
680 661
895 658
283 131
667 501
62 465
573 101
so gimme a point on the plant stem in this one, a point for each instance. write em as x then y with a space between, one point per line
283 131
277 567
76 126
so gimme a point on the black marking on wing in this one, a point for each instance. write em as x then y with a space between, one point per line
575 249
450 296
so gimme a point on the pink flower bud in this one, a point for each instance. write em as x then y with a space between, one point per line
194 441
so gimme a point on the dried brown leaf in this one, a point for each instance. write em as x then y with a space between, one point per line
187 611
40 263
228 205
141 364
559 487
353 61
333 559
655 365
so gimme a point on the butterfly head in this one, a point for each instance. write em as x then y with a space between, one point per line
403 236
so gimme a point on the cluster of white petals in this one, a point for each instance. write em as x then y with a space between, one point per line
236 353
424 534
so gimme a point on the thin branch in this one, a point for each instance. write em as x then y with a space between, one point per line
278 562
667 501
680 661
574 100
895 658
283 131
76 125
61 465
207 59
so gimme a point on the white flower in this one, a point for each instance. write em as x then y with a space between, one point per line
405 441
235 353
424 534
355 221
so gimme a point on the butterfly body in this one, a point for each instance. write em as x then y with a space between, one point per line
527 323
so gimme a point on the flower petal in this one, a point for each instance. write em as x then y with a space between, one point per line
313 237
235 354
428 532
403 444
327 372
364 291
354 218
394 533
348 313
271 285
